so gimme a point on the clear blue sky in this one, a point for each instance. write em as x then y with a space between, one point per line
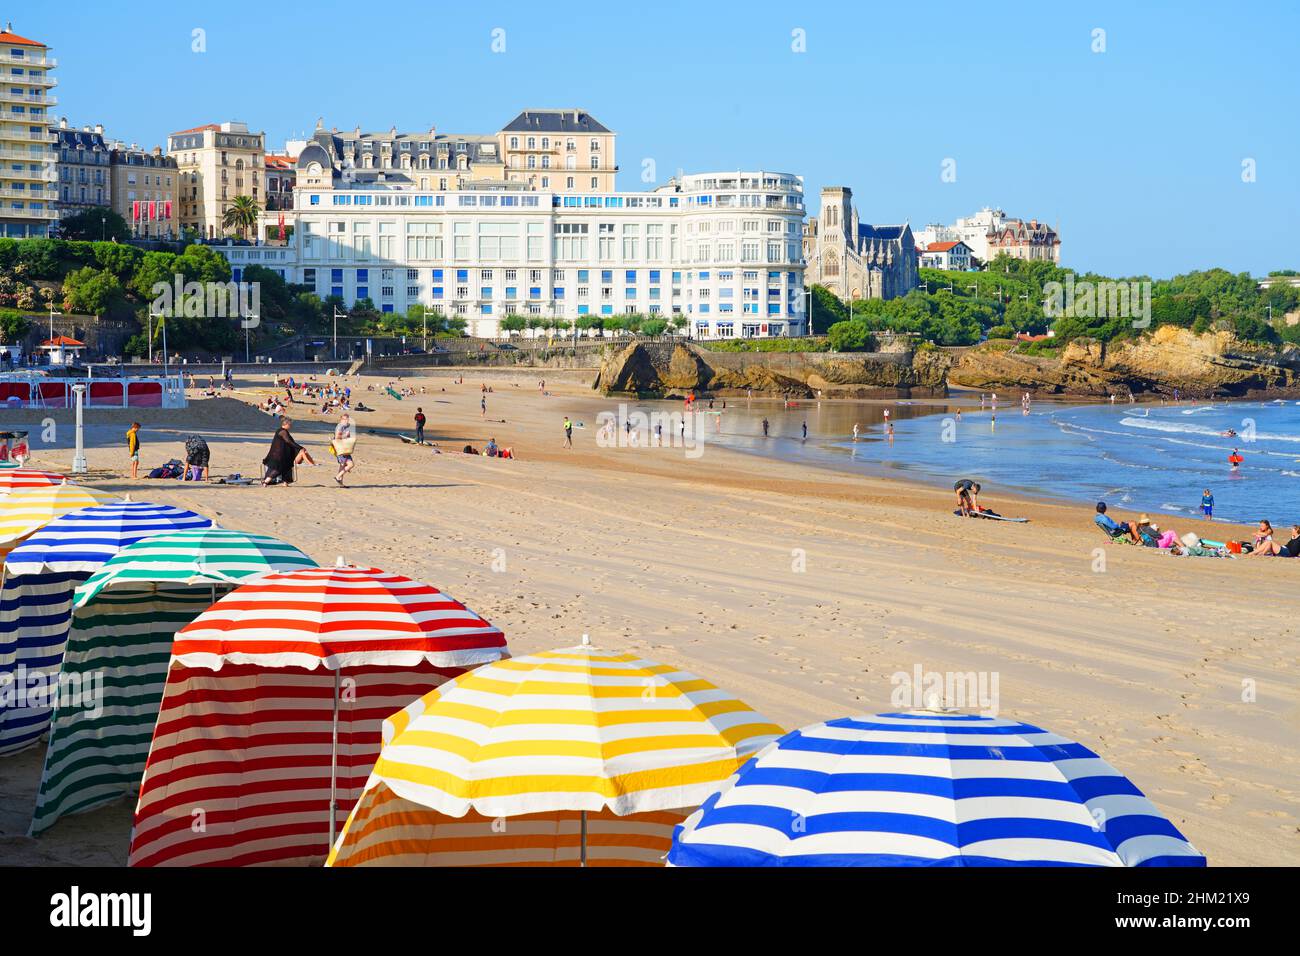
1137 151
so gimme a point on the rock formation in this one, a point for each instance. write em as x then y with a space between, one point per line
1215 364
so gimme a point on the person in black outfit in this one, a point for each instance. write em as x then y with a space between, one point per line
285 453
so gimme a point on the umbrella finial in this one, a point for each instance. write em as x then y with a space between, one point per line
127 496
338 562
586 640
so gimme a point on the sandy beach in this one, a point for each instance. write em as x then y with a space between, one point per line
800 589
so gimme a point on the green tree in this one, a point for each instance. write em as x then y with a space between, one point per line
14 327
824 309
92 291
850 336
203 264
97 224
242 215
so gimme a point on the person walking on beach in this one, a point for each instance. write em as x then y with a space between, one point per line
568 432
765 427
133 448
1207 504
805 431
482 407
344 441
419 426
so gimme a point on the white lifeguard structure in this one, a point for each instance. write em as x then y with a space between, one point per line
63 350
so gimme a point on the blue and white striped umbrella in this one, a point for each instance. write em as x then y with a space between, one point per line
40 578
928 790
81 541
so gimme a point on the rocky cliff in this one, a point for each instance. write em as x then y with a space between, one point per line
660 368
1215 364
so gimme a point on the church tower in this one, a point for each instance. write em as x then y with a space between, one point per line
837 213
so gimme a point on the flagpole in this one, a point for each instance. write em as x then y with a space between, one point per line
334 762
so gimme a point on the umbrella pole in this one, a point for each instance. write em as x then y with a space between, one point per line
334 761
582 843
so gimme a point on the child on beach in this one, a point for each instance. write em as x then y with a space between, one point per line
1207 504
344 441
419 426
133 448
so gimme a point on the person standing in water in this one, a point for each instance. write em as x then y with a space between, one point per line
805 431
855 431
765 426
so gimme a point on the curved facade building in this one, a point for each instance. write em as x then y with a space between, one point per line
719 250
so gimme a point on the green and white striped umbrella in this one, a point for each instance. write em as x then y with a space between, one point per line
124 619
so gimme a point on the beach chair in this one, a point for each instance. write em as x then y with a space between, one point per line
1118 537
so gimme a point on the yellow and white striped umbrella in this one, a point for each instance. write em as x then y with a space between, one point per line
570 754
25 510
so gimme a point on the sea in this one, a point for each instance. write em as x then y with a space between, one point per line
1136 457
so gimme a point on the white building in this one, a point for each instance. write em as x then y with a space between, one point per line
721 250
947 255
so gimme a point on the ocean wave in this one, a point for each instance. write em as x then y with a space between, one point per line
1188 429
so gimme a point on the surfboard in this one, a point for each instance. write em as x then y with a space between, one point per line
980 514
393 393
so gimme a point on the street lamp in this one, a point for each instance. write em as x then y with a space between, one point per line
247 325
149 333
79 458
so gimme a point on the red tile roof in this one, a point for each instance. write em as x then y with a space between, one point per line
7 37
275 161
197 129
942 246
62 340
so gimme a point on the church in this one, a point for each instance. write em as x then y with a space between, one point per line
853 259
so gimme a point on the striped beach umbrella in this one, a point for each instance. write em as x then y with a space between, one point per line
271 712
928 790
40 578
560 744
24 509
11 478
124 618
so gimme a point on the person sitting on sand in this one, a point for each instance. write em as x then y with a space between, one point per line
968 493
284 455
1116 529
491 448
1264 535
1268 546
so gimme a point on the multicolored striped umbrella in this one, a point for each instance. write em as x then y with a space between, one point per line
928 790
11 478
124 619
40 577
271 713
577 730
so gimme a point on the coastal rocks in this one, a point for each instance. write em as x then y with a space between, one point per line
758 378
1215 364
659 368
686 371
629 370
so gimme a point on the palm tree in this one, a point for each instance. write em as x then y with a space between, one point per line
242 215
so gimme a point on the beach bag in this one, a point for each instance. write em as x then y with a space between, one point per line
1234 547
344 446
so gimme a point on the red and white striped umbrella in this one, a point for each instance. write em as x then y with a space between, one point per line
11 478
270 719
337 617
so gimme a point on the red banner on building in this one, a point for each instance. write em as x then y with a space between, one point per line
153 210
168 208
135 210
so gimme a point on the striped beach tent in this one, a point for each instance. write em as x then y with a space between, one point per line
41 575
123 620
271 712
572 757
11 478
926 789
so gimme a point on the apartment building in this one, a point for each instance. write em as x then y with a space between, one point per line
146 190
27 155
991 231
721 250
82 168
563 151
216 163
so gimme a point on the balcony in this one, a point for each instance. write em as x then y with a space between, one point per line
38 193
29 99
27 175
7 212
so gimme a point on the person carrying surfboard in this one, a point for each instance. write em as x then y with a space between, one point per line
1235 459
968 493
